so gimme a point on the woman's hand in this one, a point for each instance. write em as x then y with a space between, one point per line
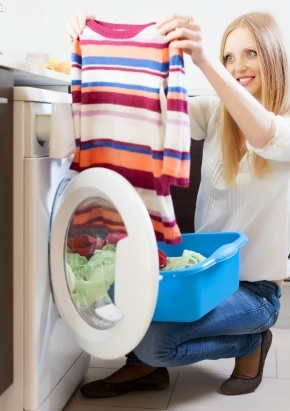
184 33
77 24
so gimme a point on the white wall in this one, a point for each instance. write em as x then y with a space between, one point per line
35 26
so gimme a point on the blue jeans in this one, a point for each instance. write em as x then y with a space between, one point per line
232 329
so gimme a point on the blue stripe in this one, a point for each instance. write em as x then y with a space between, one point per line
176 61
76 58
177 154
117 146
176 89
121 85
159 155
128 62
76 82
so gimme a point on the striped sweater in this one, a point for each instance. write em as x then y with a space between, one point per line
130 113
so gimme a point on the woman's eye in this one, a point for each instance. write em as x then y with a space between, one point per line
251 53
228 58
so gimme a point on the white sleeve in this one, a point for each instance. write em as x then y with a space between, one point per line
202 114
278 149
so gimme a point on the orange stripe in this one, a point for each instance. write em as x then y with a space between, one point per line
76 47
177 96
112 218
142 162
135 161
176 168
121 158
170 233
76 88
124 51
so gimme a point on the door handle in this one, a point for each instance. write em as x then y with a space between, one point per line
3 100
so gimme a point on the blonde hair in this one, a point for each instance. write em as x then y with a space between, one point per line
275 82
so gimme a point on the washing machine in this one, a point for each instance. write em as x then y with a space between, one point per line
71 305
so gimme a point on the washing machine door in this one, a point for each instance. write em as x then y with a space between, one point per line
103 262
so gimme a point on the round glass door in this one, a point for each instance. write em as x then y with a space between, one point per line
104 262
90 258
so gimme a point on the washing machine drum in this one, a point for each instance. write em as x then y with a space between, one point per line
103 262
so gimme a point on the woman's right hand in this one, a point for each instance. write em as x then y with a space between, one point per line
184 32
77 24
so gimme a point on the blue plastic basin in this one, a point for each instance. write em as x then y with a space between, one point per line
190 293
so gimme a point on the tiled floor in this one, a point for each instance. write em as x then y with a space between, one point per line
195 387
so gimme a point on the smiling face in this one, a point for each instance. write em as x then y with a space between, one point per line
241 60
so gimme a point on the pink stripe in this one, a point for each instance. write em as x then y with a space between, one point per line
178 122
129 116
156 45
118 114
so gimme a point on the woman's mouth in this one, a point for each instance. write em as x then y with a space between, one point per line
245 80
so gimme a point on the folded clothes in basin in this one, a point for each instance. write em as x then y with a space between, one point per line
187 259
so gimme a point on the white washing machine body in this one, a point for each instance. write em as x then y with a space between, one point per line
57 338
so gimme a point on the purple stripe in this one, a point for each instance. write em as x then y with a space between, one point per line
174 104
178 69
140 179
160 237
157 216
100 225
165 223
112 143
76 96
128 100
98 219
90 207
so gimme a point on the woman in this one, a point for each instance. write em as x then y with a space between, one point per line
246 164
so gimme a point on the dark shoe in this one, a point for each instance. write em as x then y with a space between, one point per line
157 380
237 386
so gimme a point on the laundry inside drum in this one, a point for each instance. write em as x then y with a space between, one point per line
92 239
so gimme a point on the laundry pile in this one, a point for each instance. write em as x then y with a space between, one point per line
89 280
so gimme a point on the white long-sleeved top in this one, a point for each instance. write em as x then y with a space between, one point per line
258 207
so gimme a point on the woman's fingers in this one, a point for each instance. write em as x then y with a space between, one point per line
174 22
77 24
183 32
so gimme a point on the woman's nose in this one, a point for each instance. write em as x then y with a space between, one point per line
240 64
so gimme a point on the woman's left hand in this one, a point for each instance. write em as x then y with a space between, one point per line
184 32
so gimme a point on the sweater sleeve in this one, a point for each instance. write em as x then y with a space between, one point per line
176 161
76 81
